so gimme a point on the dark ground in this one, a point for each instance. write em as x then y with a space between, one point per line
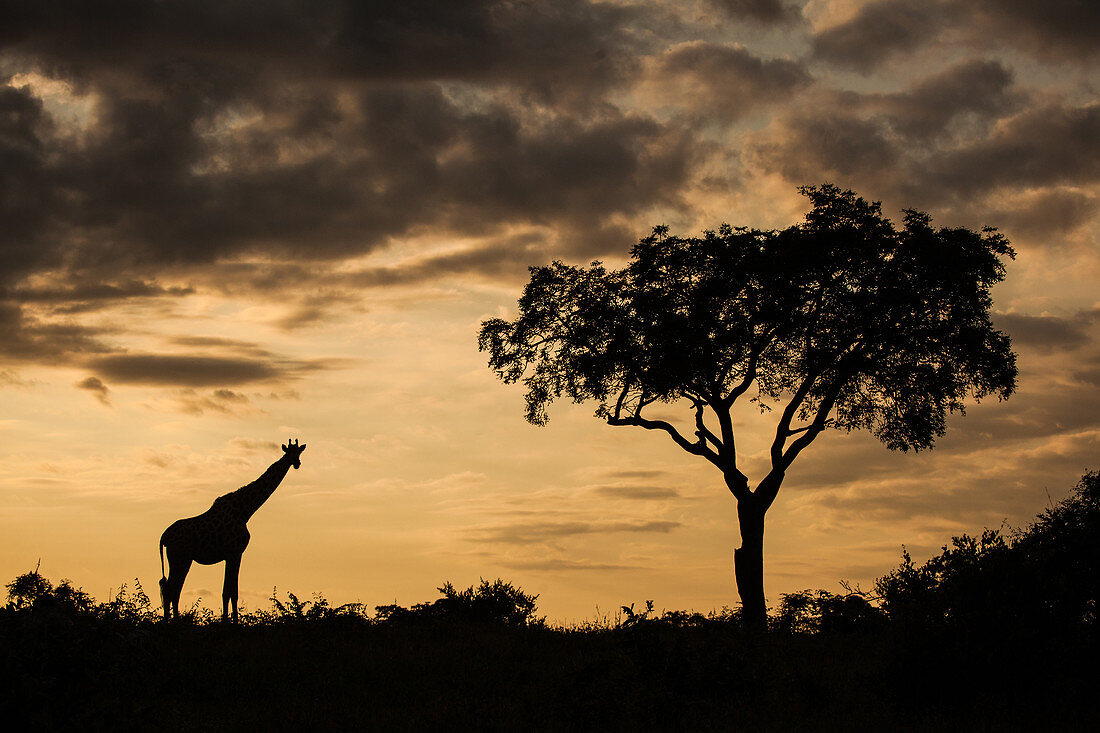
344 674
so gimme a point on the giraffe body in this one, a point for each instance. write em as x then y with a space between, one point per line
220 534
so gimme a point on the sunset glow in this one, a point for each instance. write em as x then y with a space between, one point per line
229 225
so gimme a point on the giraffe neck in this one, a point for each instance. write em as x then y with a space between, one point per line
251 497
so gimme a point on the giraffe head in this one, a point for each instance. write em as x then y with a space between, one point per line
294 452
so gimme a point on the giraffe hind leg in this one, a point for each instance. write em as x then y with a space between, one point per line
229 588
177 573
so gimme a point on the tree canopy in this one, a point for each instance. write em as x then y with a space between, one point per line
852 323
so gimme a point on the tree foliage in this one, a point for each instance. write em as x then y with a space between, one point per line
853 323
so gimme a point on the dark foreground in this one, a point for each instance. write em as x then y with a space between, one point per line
348 675
995 633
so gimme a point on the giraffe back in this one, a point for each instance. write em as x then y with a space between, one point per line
211 537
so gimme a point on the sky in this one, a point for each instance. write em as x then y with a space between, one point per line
230 223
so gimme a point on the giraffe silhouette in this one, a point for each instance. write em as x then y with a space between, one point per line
219 534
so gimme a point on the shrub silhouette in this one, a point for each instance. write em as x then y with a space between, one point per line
295 610
28 588
1043 577
813 611
496 603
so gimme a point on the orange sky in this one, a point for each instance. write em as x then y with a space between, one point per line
224 230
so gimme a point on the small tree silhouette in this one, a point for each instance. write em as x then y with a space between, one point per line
25 589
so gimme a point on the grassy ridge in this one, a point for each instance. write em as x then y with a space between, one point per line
997 632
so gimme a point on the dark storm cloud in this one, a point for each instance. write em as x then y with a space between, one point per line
877 31
1048 145
1046 334
194 371
1047 215
978 89
1058 30
763 11
24 338
310 132
727 82
27 193
951 138
833 142
151 187
534 45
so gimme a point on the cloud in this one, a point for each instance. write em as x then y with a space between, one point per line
879 30
25 338
77 297
721 83
8 378
542 532
636 473
975 90
276 141
1063 30
636 491
965 491
762 11
96 386
1047 333
1044 214
201 180
222 401
474 40
559 564
194 371
250 445
957 138
1051 144
1059 30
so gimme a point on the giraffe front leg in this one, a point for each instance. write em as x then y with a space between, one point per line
229 589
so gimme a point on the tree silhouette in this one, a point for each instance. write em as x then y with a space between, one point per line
840 322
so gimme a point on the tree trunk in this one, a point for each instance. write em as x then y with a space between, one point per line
748 565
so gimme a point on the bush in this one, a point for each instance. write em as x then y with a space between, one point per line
497 603
1040 579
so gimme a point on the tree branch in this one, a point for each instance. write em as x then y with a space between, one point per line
750 368
698 448
701 430
783 429
820 421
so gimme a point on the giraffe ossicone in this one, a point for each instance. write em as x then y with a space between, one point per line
219 534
